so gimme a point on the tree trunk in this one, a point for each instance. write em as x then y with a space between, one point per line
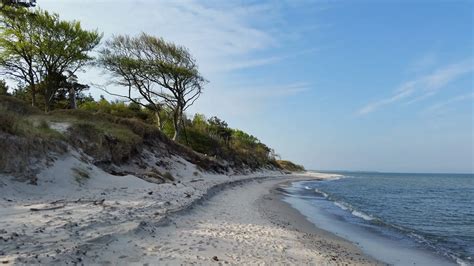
33 98
158 120
184 131
72 98
47 105
33 95
176 124
177 129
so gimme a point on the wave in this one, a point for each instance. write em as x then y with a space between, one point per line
340 205
405 231
345 206
324 194
362 215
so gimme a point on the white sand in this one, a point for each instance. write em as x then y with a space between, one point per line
76 211
228 226
105 219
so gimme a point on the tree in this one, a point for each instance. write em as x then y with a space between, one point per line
40 49
156 73
62 49
69 89
123 58
17 53
20 3
219 128
175 70
74 89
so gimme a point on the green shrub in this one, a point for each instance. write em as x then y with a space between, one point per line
290 166
8 122
17 106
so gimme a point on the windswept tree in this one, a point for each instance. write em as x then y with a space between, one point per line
124 58
176 71
156 72
39 49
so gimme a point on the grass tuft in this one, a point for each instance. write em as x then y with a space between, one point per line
80 175
169 176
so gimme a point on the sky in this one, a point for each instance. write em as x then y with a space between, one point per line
333 85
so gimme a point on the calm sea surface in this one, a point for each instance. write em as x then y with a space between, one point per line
433 213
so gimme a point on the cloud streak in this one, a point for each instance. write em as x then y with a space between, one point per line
422 87
439 106
216 34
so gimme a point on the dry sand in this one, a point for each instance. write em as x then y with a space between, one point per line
240 225
203 219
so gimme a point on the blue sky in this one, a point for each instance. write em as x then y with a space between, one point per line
353 85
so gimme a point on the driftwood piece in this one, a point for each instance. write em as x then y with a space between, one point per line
95 202
47 209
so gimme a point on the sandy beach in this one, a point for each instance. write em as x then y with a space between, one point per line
221 220
246 225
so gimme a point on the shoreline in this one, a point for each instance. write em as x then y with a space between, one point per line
334 248
378 245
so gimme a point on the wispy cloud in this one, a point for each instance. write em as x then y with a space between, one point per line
218 34
283 90
226 37
439 106
422 87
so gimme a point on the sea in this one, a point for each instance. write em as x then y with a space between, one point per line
400 219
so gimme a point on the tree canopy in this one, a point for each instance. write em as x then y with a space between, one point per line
157 73
39 49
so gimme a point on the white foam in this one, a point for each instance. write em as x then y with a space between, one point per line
341 205
320 192
362 215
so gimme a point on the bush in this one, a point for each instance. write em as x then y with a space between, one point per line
290 166
7 122
17 106
116 108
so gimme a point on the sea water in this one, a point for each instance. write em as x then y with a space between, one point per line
423 219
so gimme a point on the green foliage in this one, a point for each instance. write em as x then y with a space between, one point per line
117 108
160 72
17 52
201 142
161 80
113 131
16 106
26 126
41 51
290 166
7 122
214 138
